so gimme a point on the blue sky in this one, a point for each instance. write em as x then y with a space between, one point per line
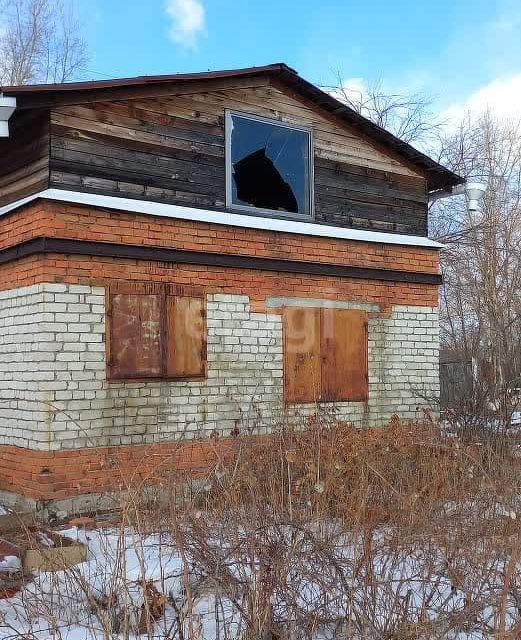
456 51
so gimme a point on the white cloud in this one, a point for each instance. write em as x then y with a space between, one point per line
352 91
188 21
502 97
354 88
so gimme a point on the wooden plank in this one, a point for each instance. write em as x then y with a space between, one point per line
383 210
121 172
39 182
373 200
302 367
186 337
11 179
115 118
369 180
157 112
118 142
344 355
185 113
135 336
24 156
94 126
141 163
41 100
414 183
97 185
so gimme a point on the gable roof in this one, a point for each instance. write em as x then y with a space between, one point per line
41 95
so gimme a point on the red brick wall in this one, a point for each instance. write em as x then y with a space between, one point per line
52 219
47 475
256 284
71 221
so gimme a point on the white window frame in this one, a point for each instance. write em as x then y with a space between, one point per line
250 209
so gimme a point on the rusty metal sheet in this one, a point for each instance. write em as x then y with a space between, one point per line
135 336
302 375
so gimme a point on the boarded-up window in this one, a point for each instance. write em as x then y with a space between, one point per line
155 331
186 344
302 354
135 335
325 355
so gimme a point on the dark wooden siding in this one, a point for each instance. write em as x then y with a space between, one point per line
171 149
24 155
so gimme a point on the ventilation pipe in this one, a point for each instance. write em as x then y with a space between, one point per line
7 108
473 192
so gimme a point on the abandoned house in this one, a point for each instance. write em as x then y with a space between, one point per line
188 257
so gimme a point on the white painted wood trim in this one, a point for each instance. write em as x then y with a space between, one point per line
223 218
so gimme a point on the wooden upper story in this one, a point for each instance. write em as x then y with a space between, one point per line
260 141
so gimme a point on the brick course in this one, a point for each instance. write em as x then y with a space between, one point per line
256 284
48 475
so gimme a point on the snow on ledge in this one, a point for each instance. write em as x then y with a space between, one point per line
223 218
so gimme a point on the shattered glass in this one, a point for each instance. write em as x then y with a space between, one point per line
270 166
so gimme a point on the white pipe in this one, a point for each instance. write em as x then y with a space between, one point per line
7 108
473 192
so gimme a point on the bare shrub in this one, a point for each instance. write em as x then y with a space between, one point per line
325 531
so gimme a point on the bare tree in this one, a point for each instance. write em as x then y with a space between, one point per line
40 41
409 117
481 297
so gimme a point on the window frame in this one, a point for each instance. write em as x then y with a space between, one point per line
165 291
250 209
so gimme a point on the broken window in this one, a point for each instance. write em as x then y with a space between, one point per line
268 165
155 331
325 355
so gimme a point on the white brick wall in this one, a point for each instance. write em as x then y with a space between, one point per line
54 393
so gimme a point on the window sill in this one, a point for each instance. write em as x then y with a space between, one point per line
269 213
200 378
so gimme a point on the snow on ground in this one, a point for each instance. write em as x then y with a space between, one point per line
96 599
10 564
61 604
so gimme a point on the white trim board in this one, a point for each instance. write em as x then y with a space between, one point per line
223 218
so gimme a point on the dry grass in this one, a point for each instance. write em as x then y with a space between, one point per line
325 531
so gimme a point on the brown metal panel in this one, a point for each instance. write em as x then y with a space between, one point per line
344 355
302 378
135 336
186 337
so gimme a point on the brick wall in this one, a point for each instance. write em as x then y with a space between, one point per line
52 475
56 401
80 222
59 398
61 329
28 367
257 285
